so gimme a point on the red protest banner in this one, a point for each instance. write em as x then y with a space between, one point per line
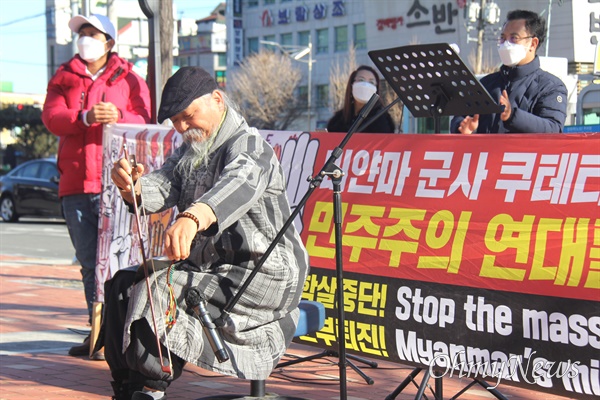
459 251
476 256
508 212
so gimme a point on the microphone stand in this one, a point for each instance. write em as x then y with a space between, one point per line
379 114
335 173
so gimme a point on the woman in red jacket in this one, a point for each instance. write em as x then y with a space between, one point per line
94 88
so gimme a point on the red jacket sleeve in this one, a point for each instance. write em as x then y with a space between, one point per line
57 116
138 106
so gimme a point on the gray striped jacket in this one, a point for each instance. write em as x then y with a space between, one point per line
244 184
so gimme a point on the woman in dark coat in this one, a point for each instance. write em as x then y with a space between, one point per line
363 82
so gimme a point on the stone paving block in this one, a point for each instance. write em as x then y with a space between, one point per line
39 326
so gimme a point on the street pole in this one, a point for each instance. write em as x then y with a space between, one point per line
74 12
151 9
480 31
548 25
310 63
85 8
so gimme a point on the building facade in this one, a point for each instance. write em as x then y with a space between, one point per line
333 26
238 28
206 45
195 42
127 17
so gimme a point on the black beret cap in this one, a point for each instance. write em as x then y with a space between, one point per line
185 86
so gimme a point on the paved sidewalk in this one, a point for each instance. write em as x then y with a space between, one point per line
42 314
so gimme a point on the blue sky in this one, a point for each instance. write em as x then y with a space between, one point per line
23 40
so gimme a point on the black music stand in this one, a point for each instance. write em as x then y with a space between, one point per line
433 81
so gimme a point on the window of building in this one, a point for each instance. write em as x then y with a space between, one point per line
252 46
303 37
286 39
269 38
321 125
252 3
427 125
322 41
268 2
184 43
360 36
341 38
222 59
322 96
303 95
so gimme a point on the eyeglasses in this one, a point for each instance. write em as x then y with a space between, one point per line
513 39
371 81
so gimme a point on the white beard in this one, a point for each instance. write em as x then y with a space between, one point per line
194 135
197 152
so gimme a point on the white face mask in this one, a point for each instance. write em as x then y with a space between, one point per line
511 53
91 49
362 91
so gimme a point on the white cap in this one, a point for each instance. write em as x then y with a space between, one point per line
100 22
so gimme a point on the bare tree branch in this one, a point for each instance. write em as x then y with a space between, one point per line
487 66
338 78
265 86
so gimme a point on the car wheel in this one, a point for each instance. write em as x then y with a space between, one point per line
7 209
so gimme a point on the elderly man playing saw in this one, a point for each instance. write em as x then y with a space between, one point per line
228 185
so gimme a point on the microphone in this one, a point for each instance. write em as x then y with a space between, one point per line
369 106
197 304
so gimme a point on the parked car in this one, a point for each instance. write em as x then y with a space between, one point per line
31 189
